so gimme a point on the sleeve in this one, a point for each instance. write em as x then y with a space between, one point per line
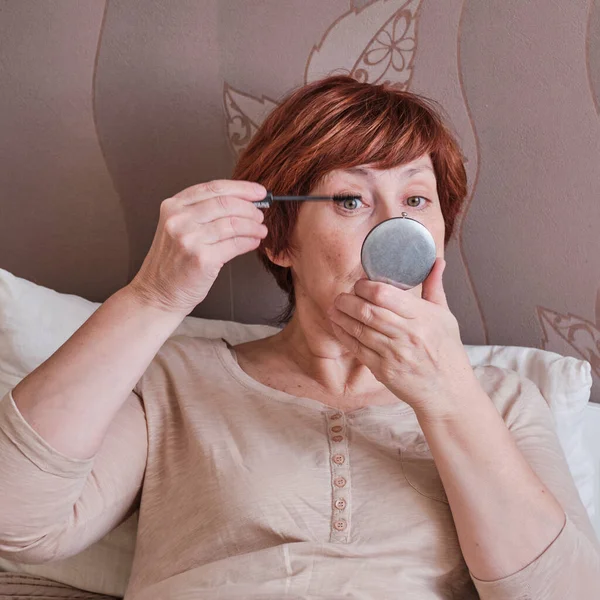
53 506
569 567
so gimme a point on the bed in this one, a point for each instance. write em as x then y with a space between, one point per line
36 320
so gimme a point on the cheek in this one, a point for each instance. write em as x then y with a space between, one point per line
329 256
439 237
327 249
337 252
437 229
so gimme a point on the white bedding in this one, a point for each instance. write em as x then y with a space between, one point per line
592 442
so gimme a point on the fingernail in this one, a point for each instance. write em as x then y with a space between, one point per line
260 189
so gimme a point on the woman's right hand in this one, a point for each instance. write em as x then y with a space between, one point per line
199 230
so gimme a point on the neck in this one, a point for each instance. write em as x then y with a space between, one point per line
310 345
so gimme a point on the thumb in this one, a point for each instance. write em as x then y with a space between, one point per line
433 287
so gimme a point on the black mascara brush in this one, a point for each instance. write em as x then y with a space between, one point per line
269 199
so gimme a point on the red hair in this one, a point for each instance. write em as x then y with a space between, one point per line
338 123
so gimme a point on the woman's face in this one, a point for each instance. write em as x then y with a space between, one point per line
328 235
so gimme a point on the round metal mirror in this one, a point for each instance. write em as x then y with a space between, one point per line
399 251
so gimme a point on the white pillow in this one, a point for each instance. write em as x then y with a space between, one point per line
591 428
35 321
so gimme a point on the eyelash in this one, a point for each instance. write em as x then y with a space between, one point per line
424 205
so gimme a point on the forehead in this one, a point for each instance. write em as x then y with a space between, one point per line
422 165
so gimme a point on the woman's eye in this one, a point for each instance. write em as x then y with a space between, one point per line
416 201
350 203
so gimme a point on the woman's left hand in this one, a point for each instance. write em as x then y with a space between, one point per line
412 345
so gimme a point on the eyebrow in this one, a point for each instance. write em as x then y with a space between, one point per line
370 175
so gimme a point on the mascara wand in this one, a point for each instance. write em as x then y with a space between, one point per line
270 198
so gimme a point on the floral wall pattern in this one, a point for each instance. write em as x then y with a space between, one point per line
111 106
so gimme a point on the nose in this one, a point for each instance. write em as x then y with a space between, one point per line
389 211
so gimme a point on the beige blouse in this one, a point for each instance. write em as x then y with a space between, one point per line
249 492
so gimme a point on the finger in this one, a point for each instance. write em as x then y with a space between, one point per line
361 333
389 297
231 227
247 190
232 247
225 206
433 287
380 319
366 356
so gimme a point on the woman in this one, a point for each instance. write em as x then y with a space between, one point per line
356 454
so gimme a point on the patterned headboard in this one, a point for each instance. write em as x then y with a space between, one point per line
110 107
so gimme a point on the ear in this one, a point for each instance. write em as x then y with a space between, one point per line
281 260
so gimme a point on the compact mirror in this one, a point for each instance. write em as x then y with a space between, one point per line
399 251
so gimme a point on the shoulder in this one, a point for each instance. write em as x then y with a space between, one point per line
185 346
181 358
184 351
514 395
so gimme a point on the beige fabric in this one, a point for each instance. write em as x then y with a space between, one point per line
102 568
250 492
27 587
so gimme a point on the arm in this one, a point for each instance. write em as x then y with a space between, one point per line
521 525
71 399
73 436
73 447
53 506
520 522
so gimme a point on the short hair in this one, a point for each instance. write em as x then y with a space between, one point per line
338 123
